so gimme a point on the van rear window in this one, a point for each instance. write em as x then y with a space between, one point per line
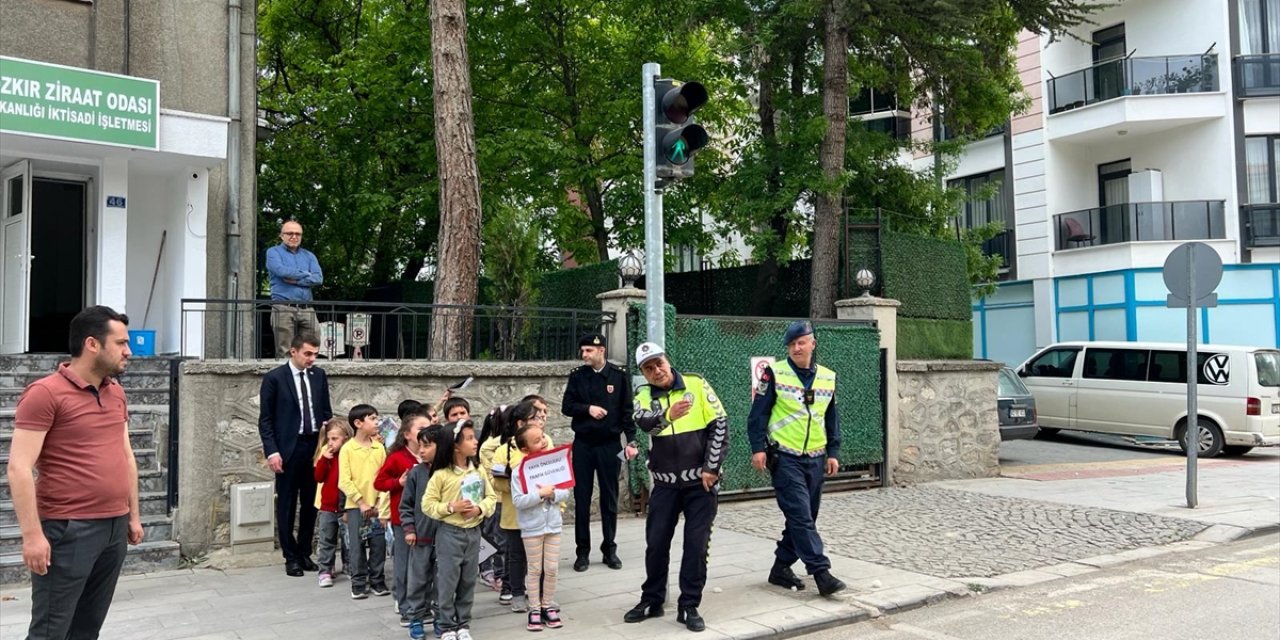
1268 368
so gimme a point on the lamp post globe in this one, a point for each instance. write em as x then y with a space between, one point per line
865 279
630 269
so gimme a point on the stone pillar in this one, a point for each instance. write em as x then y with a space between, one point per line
885 314
617 302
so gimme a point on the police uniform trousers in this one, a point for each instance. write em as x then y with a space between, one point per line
601 462
666 505
797 484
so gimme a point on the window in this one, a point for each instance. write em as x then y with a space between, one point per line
1259 26
1262 168
986 200
1008 385
1171 366
1268 368
1056 363
1116 364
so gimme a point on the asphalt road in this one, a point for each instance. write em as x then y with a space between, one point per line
1231 592
1078 446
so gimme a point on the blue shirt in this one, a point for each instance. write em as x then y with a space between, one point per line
300 266
762 409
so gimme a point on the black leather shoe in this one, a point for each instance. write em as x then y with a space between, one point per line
689 616
643 611
827 583
581 564
612 561
308 565
293 568
783 576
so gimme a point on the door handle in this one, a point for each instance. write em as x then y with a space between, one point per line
1068 383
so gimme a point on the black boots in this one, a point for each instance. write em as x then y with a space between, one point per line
827 583
581 564
689 616
612 561
784 577
642 612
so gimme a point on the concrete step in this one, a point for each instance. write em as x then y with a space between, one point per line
147 459
151 503
139 438
9 395
149 481
154 529
148 557
141 416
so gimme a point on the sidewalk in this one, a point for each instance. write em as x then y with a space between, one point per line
897 548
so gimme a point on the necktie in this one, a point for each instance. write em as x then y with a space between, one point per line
307 427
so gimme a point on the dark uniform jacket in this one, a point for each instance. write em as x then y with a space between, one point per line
611 389
679 456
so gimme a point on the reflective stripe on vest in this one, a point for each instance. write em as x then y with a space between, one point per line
796 427
695 420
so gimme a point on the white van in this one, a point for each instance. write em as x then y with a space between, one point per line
1139 388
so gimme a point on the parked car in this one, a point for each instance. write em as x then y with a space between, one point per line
1016 406
1140 389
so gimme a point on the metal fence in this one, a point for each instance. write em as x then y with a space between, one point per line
1141 221
401 331
1133 76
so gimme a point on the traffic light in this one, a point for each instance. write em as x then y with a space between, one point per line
677 137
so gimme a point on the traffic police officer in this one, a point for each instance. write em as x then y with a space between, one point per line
794 429
689 436
598 399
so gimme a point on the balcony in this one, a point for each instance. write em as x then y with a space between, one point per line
1001 245
1261 224
879 111
1142 222
1136 96
1257 76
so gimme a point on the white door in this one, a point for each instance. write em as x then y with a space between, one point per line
1051 378
15 261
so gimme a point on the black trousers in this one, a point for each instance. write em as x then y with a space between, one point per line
666 504
601 463
72 599
296 494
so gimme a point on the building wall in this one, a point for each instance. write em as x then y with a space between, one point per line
949 429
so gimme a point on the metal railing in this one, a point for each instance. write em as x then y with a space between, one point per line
1261 224
1257 75
1141 222
1133 76
1001 245
402 331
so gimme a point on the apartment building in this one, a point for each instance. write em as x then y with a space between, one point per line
127 132
1157 125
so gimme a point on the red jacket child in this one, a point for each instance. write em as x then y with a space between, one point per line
388 478
327 498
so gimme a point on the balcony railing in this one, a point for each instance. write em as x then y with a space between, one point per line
1141 222
1135 76
1257 75
1261 224
1001 245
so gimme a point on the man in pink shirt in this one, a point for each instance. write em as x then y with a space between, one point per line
72 427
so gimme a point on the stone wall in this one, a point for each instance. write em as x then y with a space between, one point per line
948 425
218 437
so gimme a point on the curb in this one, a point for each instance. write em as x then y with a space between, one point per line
863 611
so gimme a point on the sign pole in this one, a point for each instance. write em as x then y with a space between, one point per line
655 294
1193 387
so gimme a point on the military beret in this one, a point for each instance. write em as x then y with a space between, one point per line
591 340
797 329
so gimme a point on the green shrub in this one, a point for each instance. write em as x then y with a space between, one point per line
577 288
928 275
933 339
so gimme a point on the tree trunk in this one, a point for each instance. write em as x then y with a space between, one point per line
458 258
767 275
595 208
826 216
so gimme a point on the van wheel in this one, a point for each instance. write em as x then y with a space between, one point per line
1210 438
1236 450
1047 432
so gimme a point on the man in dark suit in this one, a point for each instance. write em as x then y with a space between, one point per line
598 399
294 407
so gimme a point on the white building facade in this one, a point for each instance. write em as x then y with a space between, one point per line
1159 125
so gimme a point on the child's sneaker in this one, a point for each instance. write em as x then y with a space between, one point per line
359 595
505 598
405 621
326 579
435 628
520 604
535 621
464 634
380 590
552 618
416 631
449 635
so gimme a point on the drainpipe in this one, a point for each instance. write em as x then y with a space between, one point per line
233 171
127 29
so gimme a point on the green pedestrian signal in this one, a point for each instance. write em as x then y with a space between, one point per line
676 133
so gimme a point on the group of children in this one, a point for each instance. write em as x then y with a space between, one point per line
436 484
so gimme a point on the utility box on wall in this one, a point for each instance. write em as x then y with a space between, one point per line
252 513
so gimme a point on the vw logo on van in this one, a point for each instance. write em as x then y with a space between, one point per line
1217 369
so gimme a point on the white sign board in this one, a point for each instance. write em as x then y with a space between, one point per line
553 467
332 339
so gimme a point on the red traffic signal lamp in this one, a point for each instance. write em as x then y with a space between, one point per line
676 133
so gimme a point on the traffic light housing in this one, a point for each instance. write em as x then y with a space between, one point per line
677 136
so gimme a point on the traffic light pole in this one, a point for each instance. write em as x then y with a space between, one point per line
655 294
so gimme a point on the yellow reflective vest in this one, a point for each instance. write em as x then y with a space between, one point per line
799 428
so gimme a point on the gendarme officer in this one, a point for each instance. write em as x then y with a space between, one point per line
598 399
794 429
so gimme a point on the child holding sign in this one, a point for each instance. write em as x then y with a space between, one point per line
538 513
460 497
